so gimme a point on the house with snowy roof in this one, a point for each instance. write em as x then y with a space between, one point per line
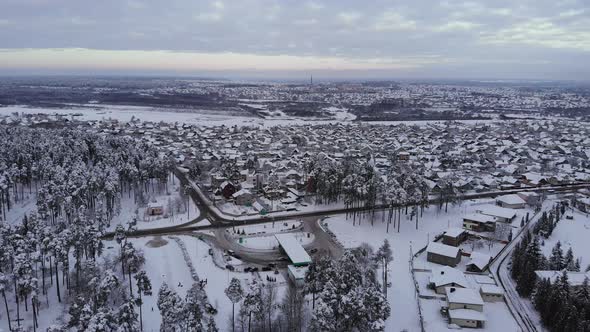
465 307
443 254
446 276
512 201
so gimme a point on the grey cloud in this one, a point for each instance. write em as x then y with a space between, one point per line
463 35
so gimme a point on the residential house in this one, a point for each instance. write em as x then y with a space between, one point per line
512 201
454 236
443 254
447 276
491 293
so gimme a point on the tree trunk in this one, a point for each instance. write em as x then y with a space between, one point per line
130 285
140 313
7 312
57 282
233 317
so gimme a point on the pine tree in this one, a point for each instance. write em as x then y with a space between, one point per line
556 260
170 306
384 255
127 317
193 311
234 293
569 261
144 288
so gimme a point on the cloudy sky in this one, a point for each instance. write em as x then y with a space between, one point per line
535 39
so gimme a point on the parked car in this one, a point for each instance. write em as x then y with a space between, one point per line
211 251
230 267
314 250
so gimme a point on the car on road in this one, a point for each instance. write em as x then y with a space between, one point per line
230 267
314 250
211 251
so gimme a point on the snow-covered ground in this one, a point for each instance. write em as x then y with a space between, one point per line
404 311
572 234
195 117
218 279
168 198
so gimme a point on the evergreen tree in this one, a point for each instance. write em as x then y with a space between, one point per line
144 288
170 306
234 293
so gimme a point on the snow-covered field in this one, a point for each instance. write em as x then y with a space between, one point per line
195 117
572 234
404 311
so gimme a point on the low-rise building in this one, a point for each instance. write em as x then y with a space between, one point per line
297 274
463 298
454 236
445 277
478 222
443 254
512 201
491 293
467 318
478 262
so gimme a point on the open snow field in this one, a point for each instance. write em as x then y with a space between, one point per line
401 295
572 234
195 117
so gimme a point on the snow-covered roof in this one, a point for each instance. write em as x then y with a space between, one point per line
510 199
481 279
477 217
497 211
454 232
447 275
298 272
479 260
241 192
467 314
491 289
463 296
442 249
293 248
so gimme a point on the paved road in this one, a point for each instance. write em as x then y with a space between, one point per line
518 306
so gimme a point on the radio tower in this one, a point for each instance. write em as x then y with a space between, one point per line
311 80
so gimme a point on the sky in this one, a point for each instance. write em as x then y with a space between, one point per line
503 39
